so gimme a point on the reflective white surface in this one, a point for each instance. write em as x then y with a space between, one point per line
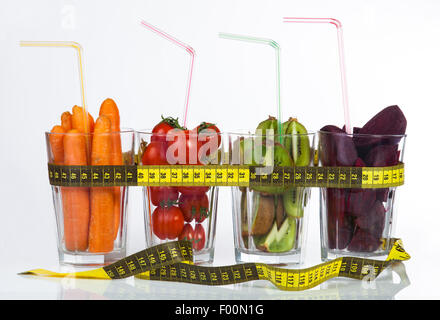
388 286
392 49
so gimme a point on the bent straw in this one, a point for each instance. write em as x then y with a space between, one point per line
277 48
188 49
342 67
79 50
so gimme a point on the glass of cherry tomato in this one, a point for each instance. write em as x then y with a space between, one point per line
181 212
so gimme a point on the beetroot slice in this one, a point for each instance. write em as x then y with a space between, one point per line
340 225
389 121
336 149
363 241
355 129
374 221
360 201
383 156
382 194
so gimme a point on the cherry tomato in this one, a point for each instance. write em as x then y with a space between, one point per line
162 128
194 207
192 190
199 237
184 147
155 154
187 233
162 196
167 222
209 135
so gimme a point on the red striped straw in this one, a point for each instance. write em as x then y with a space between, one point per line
188 49
342 67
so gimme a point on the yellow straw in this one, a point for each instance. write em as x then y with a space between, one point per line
78 48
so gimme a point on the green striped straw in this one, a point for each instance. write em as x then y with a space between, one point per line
277 48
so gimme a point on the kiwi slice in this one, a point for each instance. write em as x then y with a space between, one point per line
285 237
279 210
278 240
271 123
263 214
298 144
293 204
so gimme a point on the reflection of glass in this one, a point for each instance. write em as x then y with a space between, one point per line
385 287
91 221
269 222
358 222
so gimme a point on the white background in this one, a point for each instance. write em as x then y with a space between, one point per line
392 55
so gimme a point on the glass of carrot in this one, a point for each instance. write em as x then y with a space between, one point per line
91 221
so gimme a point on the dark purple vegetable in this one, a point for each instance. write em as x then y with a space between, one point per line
389 121
363 241
336 147
340 225
359 163
354 129
383 156
374 220
382 194
360 201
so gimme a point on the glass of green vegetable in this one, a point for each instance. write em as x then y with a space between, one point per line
270 221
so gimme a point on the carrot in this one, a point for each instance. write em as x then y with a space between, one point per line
101 232
56 144
78 123
110 109
66 121
76 201
78 120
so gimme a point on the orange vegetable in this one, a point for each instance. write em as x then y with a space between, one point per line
101 232
66 121
78 124
76 200
110 109
56 144
78 120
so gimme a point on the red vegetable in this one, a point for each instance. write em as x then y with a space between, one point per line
194 206
199 237
209 138
161 130
167 222
187 233
162 196
155 154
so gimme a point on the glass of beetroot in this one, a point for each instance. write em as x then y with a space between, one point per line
181 212
359 222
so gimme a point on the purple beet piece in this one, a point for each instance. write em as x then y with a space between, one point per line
360 201
382 194
359 163
363 241
374 221
340 225
355 129
389 121
337 149
383 156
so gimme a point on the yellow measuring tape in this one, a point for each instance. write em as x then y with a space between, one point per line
173 261
225 175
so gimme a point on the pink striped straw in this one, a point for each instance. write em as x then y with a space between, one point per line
342 67
188 49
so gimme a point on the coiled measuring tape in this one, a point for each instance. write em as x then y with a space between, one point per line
225 175
173 261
